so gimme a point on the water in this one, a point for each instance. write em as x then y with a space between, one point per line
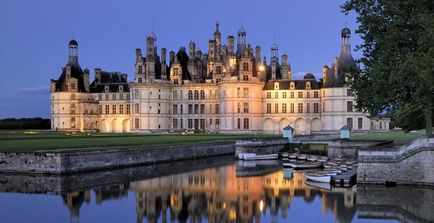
209 190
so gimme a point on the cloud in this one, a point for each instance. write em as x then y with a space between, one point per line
42 90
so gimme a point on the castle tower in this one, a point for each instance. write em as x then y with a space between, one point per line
274 61
231 41
258 55
73 51
163 64
241 45
192 50
217 35
151 56
284 69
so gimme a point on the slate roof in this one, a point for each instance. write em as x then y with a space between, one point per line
111 79
76 72
299 84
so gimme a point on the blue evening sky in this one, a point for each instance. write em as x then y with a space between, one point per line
34 37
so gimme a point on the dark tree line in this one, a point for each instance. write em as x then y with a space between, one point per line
397 67
25 123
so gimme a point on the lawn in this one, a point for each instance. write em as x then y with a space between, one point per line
19 141
398 137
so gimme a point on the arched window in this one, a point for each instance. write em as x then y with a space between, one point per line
196 95
202 95
292 85
190 95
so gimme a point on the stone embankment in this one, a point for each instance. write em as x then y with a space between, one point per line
412 164
104 158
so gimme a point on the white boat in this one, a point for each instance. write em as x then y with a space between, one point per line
333 170
311 158
325 186
285 155
322 159
254 156
302 157
302 165
293 156
318 177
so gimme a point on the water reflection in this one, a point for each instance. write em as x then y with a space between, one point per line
218 195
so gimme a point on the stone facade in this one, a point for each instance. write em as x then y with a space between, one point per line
229 89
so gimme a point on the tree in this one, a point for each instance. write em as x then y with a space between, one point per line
397 67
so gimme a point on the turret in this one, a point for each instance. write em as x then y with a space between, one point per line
192 50
86 79
171 57
163 64
73 52
138 55
284 69
150 46
258 55
241 45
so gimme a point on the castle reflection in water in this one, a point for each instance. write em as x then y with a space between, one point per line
217 195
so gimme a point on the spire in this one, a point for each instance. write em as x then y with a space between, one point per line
217 34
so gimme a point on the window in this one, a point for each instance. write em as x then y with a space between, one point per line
136 108
315 108
349 92
268 108
246 92
175 95
349 106
308 94
360 123
202 95
136 123
323 106
246 107
246 123
106 97
238 108
175 71
113 96
136 94
128 96
175 109
128 109
218 69
196 95
300 107
140 69
175 123
284 94
292 94
284 108
238 123
190 109
99 109
308 107
121 109
99 97
217 108
113 109
350 123
217 123
72 86
72 96
121 96
245 77
276 85
181 111
276 94
140 80
245 66
196 109
190 123
308 85
202 124
315 94
300 94
202 109
107 109
190 95
276 108
292 108
268 94
175 81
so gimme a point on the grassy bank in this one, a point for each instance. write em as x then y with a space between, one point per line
398 137
19 141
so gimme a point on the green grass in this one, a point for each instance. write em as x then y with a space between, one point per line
398 137
20 141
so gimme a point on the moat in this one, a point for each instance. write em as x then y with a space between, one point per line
212 190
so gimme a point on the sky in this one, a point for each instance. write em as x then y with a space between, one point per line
34 37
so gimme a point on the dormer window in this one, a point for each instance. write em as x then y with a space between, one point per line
106 89
307 84
276 85
292 85
121 88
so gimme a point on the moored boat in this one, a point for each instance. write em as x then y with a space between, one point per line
318 177
312 158
325 186
302 157
254 156
302 165
285 155
322 159
293 156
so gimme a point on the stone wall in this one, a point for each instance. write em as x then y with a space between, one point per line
402 203
349 148
409 165
77 161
